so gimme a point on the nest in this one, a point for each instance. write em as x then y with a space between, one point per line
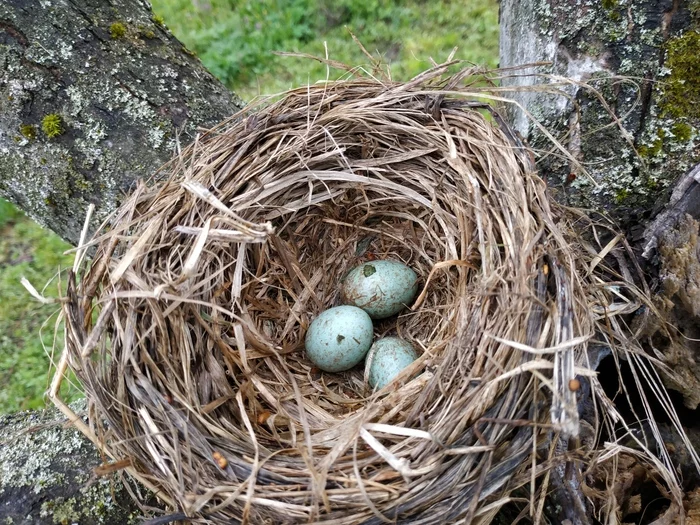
186 330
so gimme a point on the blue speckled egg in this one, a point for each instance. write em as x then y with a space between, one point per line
339 338
387 358
380 288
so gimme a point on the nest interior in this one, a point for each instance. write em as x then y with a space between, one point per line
186 330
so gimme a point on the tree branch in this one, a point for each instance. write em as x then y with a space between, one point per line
47 475
93 95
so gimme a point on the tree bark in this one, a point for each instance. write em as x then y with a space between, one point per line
93 95
633 140
47 475
654 113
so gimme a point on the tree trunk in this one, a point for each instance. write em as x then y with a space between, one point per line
655 43
93 95
635 136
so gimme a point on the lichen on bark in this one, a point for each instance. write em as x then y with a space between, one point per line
627 132
46 474
92 97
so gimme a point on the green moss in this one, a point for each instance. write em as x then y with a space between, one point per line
655 147
28 131
52 125
682 131
681 93
63 510
117 30
81 183
621 196
651 184
158 20
145 31
611 7
694 8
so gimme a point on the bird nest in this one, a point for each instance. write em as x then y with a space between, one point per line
186 330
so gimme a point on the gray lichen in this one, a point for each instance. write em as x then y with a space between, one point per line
46 474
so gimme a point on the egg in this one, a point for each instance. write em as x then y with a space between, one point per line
380 288
386 359
339 338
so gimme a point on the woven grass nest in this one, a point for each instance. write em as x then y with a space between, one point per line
187 328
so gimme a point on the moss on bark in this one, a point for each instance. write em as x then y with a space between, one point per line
638 133
680 93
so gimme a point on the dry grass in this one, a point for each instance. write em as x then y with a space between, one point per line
187 328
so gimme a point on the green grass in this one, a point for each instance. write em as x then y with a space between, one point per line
236 39
26 250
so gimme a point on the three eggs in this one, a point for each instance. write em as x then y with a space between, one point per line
340 337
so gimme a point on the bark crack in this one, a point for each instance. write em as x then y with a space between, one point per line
15 33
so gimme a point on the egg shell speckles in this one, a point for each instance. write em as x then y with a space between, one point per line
387 358
380 288
339 338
